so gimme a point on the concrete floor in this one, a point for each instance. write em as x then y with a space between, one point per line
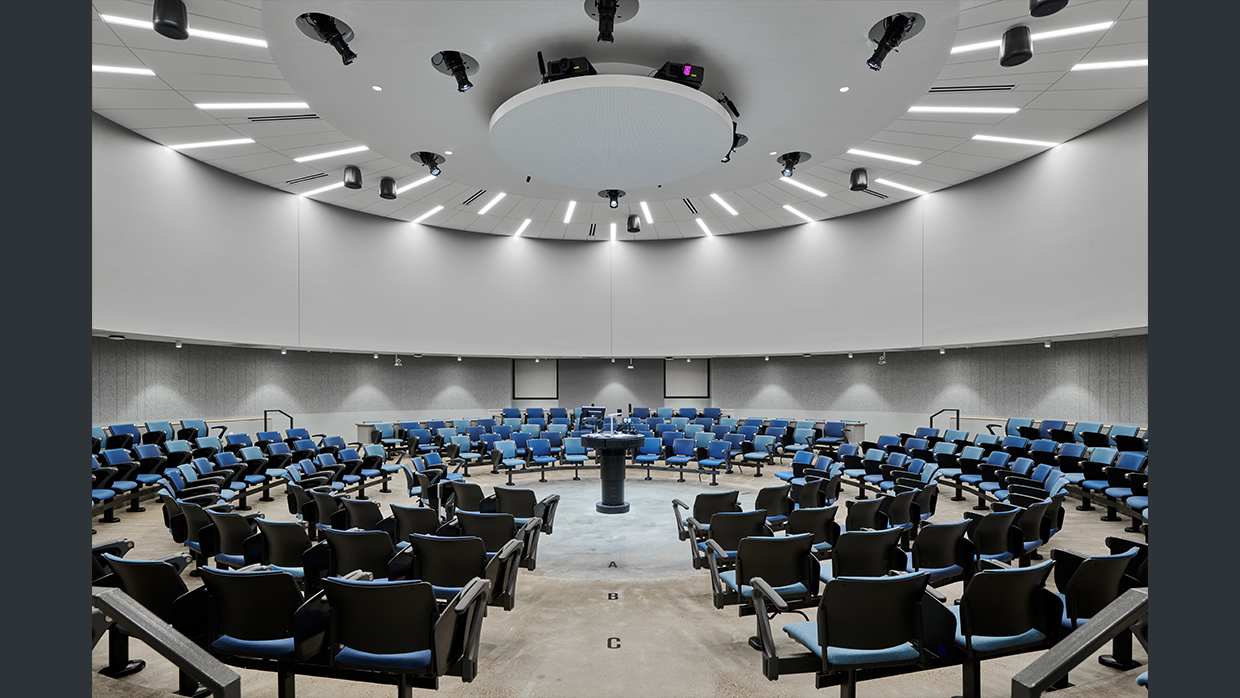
672 641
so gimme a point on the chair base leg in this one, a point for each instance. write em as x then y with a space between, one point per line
682 474
959 494
1111 515
1085 505
188 686
1121 653
133 506
119 663
109 517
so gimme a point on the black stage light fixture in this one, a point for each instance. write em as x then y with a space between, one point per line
606 19
352 177
387 188
738 139
896 28
859 180
789 162
635 223
329 30
453 60
1015 47
612 196
171 19
723 99
430 160
683 73
1042 8
565 68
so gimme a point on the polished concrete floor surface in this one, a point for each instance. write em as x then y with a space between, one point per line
626 580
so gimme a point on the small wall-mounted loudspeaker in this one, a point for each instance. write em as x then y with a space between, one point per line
352 177
1016 47
859 180
635 224
170 18
387 188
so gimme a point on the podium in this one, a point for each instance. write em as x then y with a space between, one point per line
612 449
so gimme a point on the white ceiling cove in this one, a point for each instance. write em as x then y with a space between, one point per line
782 63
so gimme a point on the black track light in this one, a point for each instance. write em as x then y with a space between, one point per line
352 177
612 196
896 27
457 66
387 188
1015 47
723 99
635 223
430 160
329 30
606 19
738 139
859 180
171 19
789 162
1042 8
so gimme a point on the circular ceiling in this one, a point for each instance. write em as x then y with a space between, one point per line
611 132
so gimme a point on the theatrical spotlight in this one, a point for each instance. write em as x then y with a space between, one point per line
788 162
612 196
895 29
171 19
738 139
635 223
329 30
606 19
432 161
457 65
723 99
859 180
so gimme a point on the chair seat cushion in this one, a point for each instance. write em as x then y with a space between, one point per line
729 578
644 458
873 478
731 554
712 462
1075 478
829 440
679 460
989 486
1143 679
754 455
255 479
542 460
854 472
969 478
512 462
1095 485
806 633
297 572
370 472
102 495
148 479
391 442
351 478
785 475
389 467
445 592
403 661
282 647
231 560
124 485
469 456
993 643
949 473
454 476
1118 492
1000 557
776 519
796 447
583 459
1138 502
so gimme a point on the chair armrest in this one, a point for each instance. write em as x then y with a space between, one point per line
716 548
678 503
1118 477
889 469
984 565
761 587
936 595
696 527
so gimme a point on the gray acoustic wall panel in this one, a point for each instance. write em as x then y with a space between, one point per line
135 381
1096 380
614 386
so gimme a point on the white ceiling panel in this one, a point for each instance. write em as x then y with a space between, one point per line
925 143
170 62
226 85
113 98
248 163
101 33
972 163
138 119
1121 99
278 175
270 129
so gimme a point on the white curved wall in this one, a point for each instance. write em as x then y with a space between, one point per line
1052 246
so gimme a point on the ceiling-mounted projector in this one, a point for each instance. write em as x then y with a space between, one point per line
683 73
565 68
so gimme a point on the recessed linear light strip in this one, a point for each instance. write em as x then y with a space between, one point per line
332 154
880 156
426 215
121 71
520 230
724 204
806 218
1017 141
806 187
613 232
646 211
329 187
417 183
963 110
253 105
212 144
1108 65
569 214
703 227
491 203
900 186
1071 31
214 36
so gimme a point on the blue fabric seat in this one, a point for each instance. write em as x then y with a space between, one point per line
279 648
729 578
806 633
993 643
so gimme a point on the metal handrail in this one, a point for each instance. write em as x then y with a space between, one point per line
286 414
946 409
139 622
1121 614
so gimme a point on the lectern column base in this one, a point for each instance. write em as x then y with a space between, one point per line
612 509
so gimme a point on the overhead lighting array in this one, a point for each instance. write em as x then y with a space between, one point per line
1041 36
332 154
198 33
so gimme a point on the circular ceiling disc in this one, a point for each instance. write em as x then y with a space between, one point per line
610 132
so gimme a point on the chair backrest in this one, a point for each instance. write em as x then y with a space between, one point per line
833 429
504 431
946 447
665 413
702 439
462 442
116 456
460 425
990 533
1014 442
780 423
688 412
650 446
468 495
382 618
369 551
762 443
165 427
1002 603
641 412
449 561
446 433
1130 460
683 447
494 529
779 561
717 448
865 553
729 422
669 439
692 430
848 450
1104 455
939 545
487 423
955 435
512 422
252 606
712 413
801 434
1044 429
916 444
1083 427
573 447
1015 423
1094 584
748 431
819 521
506 447
434 424
774 500
926 432
707 504
1072 450
864 513
728 528
985 438
999 458
511 413
886 440
1122 430
540 447
199 424
208 442
285 542
363 513
411 520
680 423
754 421
153 583
518 502
871 614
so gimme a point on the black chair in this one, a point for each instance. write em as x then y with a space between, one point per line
283 544
1136 576
254 621
995 536
468 496
496 529
1033 525
943 552
368 551
820 522
196 520
448 563
396 631
411 520
363 514
705 505
1002 612
864 513
156 585
901 512
230 531
525 505
1086 585
861 624
864 554
328 507
725 530
787 563
775 501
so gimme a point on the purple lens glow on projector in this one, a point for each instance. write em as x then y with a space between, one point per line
688 68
